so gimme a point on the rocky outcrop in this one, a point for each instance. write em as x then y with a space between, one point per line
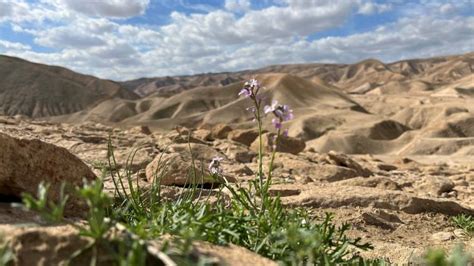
24 164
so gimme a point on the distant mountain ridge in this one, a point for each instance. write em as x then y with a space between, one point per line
369 73
38 90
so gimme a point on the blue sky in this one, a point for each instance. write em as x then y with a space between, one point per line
127 39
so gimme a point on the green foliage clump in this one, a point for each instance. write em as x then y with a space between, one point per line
465 222
458 257
49 210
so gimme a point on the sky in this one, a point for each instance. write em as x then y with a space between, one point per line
129 39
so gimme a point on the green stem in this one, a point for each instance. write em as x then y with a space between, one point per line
270 166
260 150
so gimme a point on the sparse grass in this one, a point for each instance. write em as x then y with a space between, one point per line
465 222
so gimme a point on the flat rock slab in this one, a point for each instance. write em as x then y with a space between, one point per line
352 196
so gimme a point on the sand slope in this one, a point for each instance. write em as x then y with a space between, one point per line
38 90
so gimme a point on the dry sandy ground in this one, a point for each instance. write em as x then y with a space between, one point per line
400 204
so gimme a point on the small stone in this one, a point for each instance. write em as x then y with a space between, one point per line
386 167
442 236
344 160
244 136
285 144
220 131
459 233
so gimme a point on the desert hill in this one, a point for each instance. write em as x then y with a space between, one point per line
361 77
216 104
37 90
411 107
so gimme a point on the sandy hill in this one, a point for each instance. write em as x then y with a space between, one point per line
411 107
362 77
217 104
38 90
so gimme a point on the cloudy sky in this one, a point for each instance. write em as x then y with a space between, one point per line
127 39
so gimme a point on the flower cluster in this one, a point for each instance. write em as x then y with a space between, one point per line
215 166
250 89
282 113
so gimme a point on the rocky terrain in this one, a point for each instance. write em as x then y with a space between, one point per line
401 205
387 148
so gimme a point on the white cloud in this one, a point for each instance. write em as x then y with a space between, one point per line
64 37
369 8
225 40
237 5
13 46
108 8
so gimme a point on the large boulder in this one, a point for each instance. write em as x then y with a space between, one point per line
24 164
285 144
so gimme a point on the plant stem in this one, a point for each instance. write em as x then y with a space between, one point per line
272 159
260 150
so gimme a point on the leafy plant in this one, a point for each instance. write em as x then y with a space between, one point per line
49 210
250 218
437 257
6 253
465 222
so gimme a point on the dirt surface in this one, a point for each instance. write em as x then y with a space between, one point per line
401 205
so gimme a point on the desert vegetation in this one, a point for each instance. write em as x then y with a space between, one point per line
136 224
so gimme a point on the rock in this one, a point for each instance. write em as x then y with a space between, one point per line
381 219
137 159
284 190
386 167
339 196
237 152
145 130
24 164
285 144
373 181
244 136
56 245
436 185
460 233
299 167
442 236
220 131
243 156
343 160
199 151
203 134
177 169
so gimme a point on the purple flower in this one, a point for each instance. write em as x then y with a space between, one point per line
281 112
215 166
277 123
250 89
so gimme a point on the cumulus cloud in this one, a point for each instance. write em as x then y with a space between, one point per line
13 46
64 37
369 8
237 5
94 39
109 8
